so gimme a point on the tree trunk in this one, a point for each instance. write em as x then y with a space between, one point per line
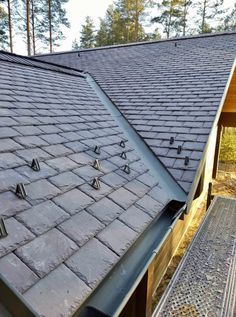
10 25
28 26
50 24
203 16
184 17
33 26
136 26
169 20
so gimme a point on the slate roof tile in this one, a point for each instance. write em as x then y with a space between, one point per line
105 210
9 178
96 194
11 204
58 294
42 217
82 262
9 160
17 236
150 205
58 150
17 273
62 164
117 236
29 154
123 197
176 96
9 145
73 201
46 252
44 172
40 191
81 227
135 218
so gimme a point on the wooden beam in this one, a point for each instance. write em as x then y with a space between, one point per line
217 151
228 119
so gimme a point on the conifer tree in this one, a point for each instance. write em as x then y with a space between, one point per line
75 45
54 18
7 15
123 23
3 28
228 22
87 35
209 12
170 17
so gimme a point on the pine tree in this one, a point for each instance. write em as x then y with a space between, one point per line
87 35
171 17
54 18
75 45
28 21
185 6
103 35
9 21
228 23
123 23
3 28
209 13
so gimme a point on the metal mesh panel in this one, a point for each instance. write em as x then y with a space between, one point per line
205 283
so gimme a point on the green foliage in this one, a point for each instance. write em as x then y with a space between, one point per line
75 45
228 22
171 16
87 36
58 20
123 23
228 146
209 12
3 28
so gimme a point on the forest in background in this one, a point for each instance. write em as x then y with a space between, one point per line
40 22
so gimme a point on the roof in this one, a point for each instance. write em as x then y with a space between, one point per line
165 89
64 226
52 111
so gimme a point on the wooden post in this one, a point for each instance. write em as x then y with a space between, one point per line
217 151
209 196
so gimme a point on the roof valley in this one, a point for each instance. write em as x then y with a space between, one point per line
165 179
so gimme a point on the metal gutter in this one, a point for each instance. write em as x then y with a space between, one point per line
167 182
215 123
13 301
115 290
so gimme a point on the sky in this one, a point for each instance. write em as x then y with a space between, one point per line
77 10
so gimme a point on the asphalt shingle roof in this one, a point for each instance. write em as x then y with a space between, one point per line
64 225
165 89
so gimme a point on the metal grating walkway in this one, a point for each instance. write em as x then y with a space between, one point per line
205 282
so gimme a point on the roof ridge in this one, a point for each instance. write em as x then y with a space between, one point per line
29 61
189 37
